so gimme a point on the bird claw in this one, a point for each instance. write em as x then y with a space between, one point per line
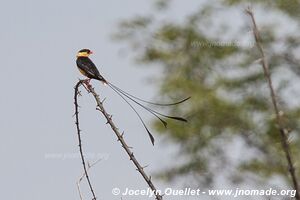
87 84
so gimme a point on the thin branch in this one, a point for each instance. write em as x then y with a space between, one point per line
83 175
79 138
123 143
283 132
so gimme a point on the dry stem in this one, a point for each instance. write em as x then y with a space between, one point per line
79 137
283 132
119 135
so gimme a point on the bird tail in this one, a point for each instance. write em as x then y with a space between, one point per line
126 97
100 78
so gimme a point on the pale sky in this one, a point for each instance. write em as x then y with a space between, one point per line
39 41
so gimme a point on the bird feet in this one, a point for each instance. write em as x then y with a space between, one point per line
87 84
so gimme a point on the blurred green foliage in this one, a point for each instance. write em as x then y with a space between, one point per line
230 101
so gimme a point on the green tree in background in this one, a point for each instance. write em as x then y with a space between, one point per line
211 56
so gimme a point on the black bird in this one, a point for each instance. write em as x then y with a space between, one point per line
89 69
86 65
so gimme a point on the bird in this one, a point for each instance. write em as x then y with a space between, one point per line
89 69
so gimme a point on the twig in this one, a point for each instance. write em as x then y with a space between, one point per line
123 143
83 175
282 130
79 138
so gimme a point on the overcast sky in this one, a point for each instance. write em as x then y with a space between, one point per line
39 41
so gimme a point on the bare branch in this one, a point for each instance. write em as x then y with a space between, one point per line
283 132
123 143
83 175
79 138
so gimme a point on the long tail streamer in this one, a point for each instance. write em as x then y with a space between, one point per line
135 99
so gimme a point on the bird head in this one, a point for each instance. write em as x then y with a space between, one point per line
84 53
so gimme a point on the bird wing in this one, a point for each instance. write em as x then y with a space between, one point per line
88 67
